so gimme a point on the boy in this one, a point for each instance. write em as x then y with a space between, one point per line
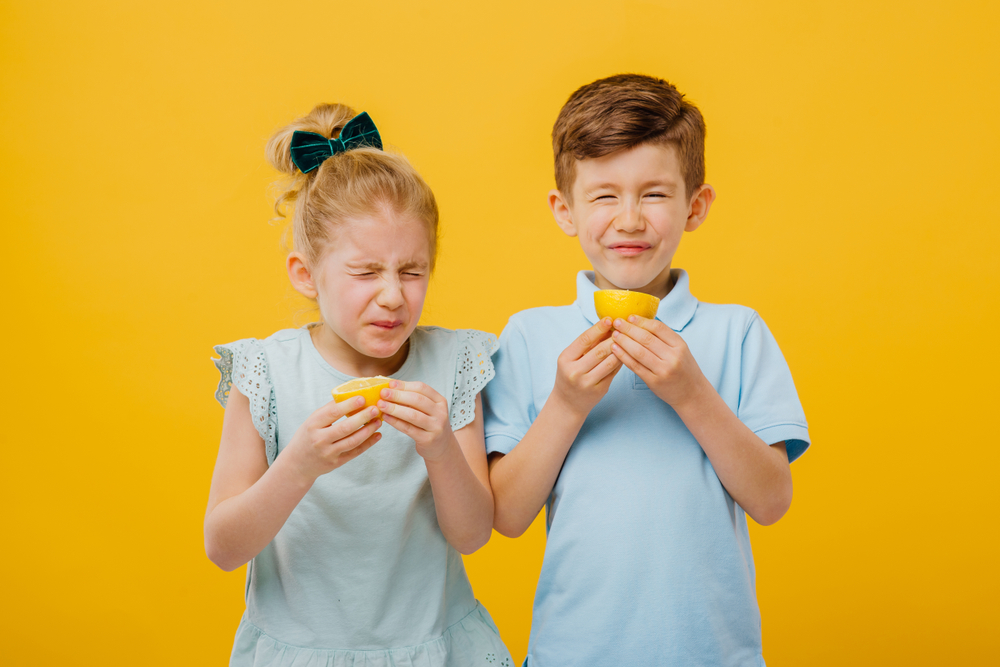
648 441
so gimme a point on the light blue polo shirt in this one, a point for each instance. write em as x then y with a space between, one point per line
648 559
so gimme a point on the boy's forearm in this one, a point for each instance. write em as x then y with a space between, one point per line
754 473
523 479
463 505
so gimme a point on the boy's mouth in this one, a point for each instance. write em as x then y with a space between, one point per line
629 249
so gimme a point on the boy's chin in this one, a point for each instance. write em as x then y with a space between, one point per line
624 280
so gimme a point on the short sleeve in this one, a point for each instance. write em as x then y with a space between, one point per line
769 404
473 371
507 401
244 365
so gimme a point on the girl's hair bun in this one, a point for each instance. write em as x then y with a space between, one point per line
325 119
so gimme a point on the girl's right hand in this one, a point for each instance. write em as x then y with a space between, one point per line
330 437
586 368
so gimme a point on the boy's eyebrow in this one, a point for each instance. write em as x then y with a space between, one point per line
661 182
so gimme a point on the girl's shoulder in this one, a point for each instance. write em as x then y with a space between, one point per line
460 338
470 350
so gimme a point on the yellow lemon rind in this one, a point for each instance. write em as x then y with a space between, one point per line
370 393
622 303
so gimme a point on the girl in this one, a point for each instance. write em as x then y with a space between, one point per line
352 519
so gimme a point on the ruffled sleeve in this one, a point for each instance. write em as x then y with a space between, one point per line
473 371
244 365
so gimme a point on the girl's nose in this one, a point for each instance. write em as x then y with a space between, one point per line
629 219
391 294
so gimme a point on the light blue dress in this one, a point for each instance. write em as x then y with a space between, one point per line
360 574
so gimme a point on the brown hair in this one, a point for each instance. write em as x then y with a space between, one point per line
352 184
621 112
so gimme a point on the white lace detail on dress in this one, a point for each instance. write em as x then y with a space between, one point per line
243 363
474 370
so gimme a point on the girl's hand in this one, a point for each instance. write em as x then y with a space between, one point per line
660 357
586 368
330 437
416 410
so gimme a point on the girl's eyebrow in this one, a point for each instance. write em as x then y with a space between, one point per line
378 266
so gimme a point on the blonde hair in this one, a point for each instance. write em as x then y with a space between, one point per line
356 183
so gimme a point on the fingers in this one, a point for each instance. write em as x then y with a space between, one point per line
637 327
333 411
351 423
606 369
393 412
360 449
412 398
598 354
355 438
641 354
630 362
588 339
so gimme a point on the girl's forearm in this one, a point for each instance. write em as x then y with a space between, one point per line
463 505
754 473
523 479
238 528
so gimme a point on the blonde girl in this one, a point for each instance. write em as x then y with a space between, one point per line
352 519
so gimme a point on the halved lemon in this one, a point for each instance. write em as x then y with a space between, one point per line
615 303
370 388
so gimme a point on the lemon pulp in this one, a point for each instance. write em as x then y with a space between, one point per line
369 388
615 303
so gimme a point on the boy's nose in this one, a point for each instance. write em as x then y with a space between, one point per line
629 218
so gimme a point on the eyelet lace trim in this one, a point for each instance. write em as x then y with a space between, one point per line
244 364
474 370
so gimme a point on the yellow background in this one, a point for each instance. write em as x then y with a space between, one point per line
854 146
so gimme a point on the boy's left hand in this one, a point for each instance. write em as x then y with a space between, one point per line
415 409
660 357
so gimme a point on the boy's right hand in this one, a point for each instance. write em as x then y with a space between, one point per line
586 369
332 436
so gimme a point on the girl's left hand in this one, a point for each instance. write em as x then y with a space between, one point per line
415 409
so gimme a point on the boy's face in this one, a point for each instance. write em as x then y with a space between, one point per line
629 209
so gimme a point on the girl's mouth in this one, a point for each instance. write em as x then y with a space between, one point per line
388 325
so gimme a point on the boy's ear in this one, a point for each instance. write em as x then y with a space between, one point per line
561 212
300 275
698 210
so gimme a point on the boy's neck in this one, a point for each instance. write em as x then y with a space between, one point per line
658 287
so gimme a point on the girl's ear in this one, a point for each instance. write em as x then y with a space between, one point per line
700 203
562 213
300 275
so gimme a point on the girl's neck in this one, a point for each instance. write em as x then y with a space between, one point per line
344 358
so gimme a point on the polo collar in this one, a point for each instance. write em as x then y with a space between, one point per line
676 308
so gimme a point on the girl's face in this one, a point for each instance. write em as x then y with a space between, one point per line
370 287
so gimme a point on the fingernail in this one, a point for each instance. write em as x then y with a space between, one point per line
374 412
632 318
618 322
359 400
616 334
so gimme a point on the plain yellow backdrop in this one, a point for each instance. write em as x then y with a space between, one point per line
854 146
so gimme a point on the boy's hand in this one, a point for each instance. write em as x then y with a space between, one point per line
331 436
586 368
660 357
415 409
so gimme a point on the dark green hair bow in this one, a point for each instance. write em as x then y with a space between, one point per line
310 149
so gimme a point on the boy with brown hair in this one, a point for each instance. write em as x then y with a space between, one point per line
649 440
